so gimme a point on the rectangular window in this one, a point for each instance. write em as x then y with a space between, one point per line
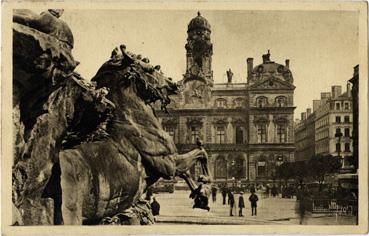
347 147
195 133
347 119
261 168
221 134
347 132
262 138
338 119
239 135
282 133
346 106
338 106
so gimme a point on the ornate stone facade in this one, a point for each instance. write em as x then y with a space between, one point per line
247 128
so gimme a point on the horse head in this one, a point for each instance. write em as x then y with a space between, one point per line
149 82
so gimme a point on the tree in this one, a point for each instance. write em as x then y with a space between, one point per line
320 166
300 171
285 171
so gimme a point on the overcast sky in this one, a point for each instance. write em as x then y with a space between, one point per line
322 45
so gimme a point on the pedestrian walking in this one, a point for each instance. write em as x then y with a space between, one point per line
155 207
253 200
214 193
241 204
274 191
230 202
224 194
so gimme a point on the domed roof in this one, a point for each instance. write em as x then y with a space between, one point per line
199 22
269 66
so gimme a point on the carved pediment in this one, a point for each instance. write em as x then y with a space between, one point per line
220 121
194 121
272 83
170 121
280 119
261 119
238 121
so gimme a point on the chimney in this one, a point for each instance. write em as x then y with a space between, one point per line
336 91
308 112
303 116
348 89
250 66
324 97
316 105
288 63
266 57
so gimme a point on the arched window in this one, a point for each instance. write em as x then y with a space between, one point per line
221 103
238 103
220 167
261 101
236 167
281 101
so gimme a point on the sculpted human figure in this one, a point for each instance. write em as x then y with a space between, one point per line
229 75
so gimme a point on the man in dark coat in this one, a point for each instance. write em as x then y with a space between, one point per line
231 202
241 204
155 207
214 193
253 199
224 194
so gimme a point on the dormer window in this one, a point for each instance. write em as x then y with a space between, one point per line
221 103
281 101
261 102
237 103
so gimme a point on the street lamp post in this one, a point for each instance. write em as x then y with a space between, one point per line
339 136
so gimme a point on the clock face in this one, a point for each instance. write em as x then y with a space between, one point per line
195 70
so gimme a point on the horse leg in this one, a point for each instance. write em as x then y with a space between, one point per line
184 162
73 182
191 184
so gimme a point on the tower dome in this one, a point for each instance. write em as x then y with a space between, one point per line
199 22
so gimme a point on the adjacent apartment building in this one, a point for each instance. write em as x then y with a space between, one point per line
247 128
332 121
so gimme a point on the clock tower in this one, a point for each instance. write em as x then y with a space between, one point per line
199 51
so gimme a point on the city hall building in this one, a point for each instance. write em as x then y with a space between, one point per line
247 128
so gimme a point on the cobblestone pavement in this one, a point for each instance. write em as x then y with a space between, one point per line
176 208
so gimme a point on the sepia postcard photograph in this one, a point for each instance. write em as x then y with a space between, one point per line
126 117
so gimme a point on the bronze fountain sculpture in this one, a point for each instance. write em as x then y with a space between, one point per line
86 152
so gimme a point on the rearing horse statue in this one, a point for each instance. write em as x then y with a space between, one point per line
94 149
113 172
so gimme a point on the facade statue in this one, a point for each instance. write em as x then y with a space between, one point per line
229 76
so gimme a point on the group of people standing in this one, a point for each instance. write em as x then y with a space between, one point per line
253 198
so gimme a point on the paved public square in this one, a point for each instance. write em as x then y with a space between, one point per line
176 208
